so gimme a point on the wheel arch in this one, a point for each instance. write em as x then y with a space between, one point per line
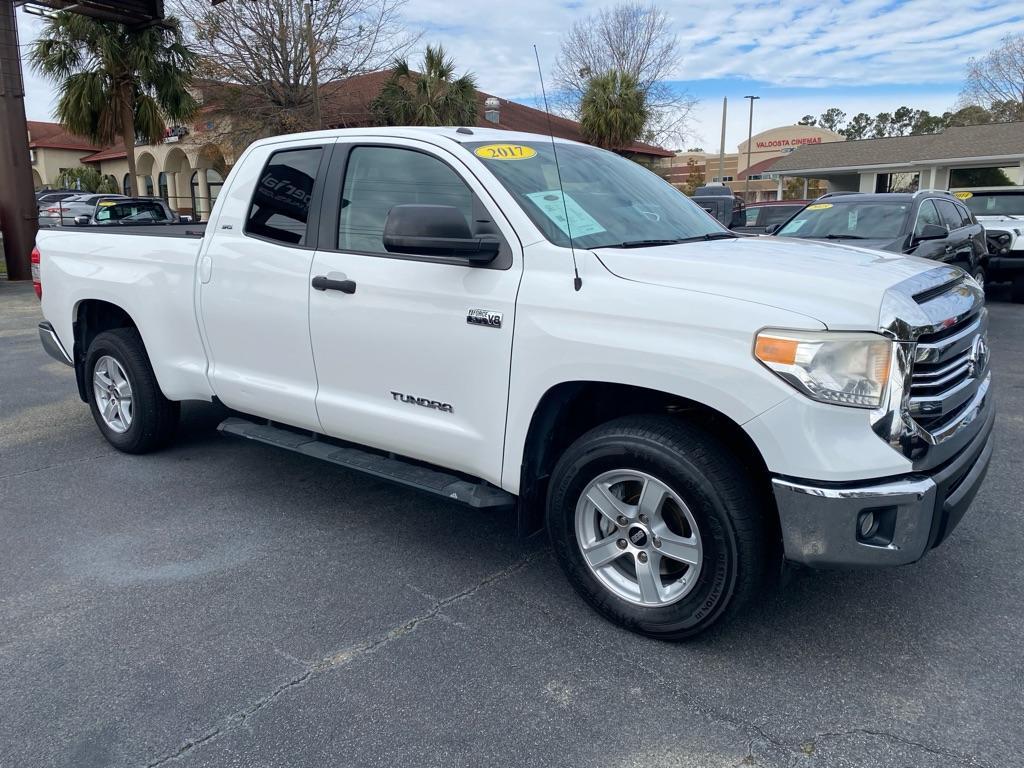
569 409
91 318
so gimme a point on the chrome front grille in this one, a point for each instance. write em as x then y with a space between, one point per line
938 395
949 366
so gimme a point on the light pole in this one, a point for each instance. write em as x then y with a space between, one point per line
750 133
311 42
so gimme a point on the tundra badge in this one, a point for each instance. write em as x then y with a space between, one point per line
484 317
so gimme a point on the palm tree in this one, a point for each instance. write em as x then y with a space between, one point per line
117 82
430 97
613 111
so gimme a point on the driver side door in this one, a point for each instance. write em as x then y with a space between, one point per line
403 361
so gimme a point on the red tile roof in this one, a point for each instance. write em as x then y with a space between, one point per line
346 104
756 168
110 153
54 136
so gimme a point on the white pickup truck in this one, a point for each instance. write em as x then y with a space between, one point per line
508 320
1000 210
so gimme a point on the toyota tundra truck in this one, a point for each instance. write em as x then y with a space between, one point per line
519 322
1000 210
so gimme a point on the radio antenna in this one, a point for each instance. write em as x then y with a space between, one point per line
577 282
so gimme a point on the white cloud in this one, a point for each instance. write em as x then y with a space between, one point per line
795 43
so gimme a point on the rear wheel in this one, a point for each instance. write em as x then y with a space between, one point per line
126 402
658 527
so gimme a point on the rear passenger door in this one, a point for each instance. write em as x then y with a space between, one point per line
254 283
405 362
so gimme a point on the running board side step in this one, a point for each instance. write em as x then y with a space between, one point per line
479 495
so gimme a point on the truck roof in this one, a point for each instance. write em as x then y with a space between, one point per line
434 134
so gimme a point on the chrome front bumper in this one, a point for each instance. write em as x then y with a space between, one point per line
52 345
892 522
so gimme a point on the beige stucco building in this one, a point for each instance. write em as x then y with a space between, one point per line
765 149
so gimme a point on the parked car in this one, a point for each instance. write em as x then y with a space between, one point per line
1001 212
67 212
45 196
760 217
721 203
129 210
682 408
931 224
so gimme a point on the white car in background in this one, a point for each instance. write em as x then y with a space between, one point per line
1000 210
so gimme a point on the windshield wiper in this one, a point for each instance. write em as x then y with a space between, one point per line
641 243
831 236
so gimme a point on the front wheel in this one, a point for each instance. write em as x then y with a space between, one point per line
126 402
659 528
979 276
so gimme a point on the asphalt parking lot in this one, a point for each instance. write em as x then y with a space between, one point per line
226 604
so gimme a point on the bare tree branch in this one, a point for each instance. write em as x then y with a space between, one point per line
257 55
996 81
635 39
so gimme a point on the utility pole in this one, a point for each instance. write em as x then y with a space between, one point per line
19 217
311 42
750 133
721 146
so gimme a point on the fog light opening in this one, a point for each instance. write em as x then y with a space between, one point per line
877 527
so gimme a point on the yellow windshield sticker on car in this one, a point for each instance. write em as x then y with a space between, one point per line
505 152
107 202
819 206
963 195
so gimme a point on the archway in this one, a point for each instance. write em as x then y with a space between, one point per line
178 173
207 180
145 168
37 180
126 184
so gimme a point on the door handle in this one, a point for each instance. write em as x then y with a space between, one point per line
324 283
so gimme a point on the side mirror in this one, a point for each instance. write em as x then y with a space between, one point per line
931 232
771 229
82 220
436 230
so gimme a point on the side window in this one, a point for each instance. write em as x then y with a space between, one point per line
752 217
950 215
775 214
926 215
103 214
965 215
280 203
379 178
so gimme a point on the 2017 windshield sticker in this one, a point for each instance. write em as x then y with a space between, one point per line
964 195
579 224
819 206
505 152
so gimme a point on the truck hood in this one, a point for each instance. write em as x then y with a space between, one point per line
838 285
1006 221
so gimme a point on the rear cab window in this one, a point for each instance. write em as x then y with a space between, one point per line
281 201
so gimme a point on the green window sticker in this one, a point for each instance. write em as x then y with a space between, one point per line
579 224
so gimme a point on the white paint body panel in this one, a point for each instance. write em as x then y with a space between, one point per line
677 319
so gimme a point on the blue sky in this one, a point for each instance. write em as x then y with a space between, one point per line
799 56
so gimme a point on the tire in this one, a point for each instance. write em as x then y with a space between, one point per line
979 276
149 420
739 548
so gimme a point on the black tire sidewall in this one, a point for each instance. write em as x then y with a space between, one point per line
125 346
711 596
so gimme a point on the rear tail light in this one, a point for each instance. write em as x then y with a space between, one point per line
53 210
36 283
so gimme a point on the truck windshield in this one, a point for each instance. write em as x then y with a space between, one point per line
848 221
994 204
605 200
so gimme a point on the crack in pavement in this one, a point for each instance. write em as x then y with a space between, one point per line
58 465
756 732
963 759
339 659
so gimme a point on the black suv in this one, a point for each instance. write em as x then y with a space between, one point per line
931 223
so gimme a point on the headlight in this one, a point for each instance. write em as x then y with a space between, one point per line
831 367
